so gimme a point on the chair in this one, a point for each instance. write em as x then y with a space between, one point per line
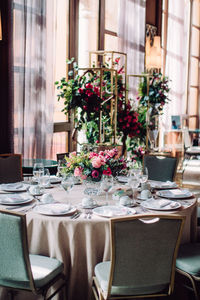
143 255
161 168
19 269
188 267
10 168
61 157
189 150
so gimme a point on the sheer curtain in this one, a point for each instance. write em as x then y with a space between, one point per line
34 35
131 34
176 56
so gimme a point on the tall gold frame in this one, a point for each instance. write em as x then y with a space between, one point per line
112 55
112 99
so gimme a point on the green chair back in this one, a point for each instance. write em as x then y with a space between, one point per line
143 254
161 168
14 259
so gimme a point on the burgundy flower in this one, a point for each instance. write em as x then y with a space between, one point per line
107 172
95 174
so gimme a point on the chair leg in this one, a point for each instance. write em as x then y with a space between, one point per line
11 295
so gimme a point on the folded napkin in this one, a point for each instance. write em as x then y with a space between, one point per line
60 210
176 193
163 203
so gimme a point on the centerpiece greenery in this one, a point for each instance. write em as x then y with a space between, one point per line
81 94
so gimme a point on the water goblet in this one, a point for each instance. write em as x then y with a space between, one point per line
44 181
144 175
134 182
38 171
106 185
67 184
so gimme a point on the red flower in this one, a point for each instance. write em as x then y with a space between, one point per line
84 107
107 172
95 174
97 142
80 90
89 93
89 86
117 60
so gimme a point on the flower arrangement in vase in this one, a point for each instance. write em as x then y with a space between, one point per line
93 165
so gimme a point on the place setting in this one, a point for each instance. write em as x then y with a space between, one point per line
16 187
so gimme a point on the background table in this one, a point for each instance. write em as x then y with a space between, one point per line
82 243
27 165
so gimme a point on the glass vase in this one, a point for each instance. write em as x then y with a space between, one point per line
152 127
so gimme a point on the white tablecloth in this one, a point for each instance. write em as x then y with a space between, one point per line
82 243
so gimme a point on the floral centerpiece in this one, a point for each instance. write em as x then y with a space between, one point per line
93 165
158 91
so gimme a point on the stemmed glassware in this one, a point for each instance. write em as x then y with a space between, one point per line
44 180
143 177
67 184
38 171
106 185
134 183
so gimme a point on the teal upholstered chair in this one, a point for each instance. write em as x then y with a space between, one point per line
161 168
188 267
20 270
143 256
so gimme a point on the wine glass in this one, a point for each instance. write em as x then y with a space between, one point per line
44 180
144 175
38 171
134 183
67 184
106 185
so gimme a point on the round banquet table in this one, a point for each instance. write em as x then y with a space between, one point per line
82 243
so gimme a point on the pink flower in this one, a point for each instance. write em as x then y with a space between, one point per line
72 154
78 171
95 174
92 154
83 177
96 162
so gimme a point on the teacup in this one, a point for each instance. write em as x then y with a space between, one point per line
125 200
145 194
145 186
88 202
35 190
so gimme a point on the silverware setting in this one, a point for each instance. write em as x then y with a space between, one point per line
76 215
88 214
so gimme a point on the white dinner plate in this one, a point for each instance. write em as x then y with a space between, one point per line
122 179
174 194
162 185
160 204
15 199
110 211
14 187
54 209
55 179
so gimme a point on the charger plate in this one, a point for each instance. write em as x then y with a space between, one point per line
54 209
13 187
175 194
110 211
15 199
160 204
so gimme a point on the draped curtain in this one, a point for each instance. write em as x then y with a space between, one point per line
176 56
131 34
34 35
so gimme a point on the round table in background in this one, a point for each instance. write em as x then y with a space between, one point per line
27 165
